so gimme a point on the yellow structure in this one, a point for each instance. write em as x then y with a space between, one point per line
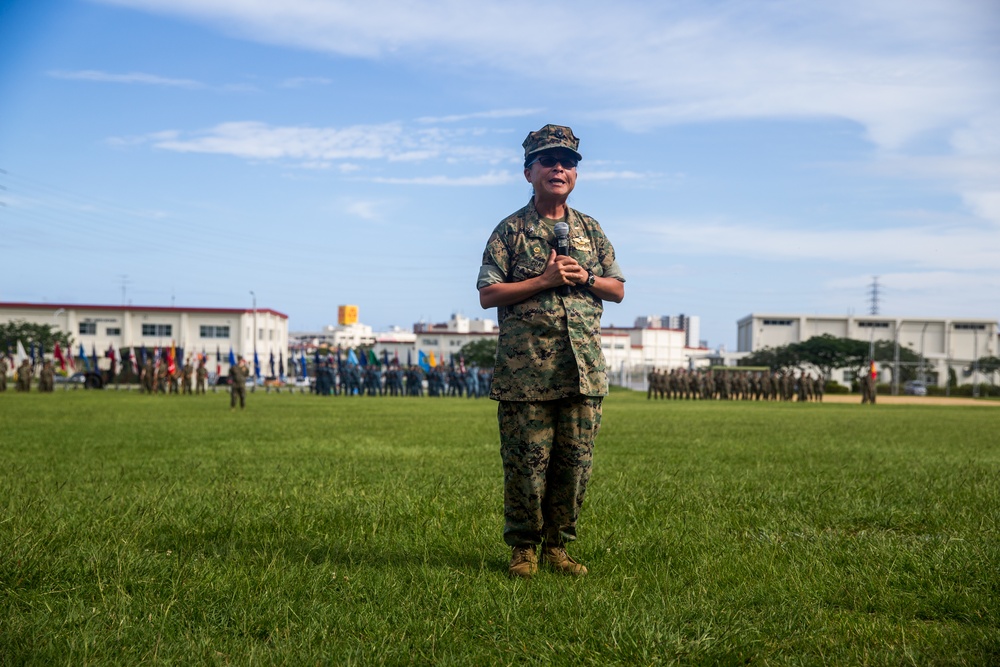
347 315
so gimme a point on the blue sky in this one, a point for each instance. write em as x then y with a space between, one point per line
742 156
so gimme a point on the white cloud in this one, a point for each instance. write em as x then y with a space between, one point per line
481 115
366 210
130 78
936 248
908 65
489 179
302 81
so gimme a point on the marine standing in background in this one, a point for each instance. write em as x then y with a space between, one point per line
238 375
550 375
201 375
47 378
187 373
23 376
3 373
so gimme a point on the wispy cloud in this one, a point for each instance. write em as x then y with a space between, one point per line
481 115
928 247
130 78
302 81
326 147
489 179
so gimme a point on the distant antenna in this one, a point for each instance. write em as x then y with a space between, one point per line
123 279
873 295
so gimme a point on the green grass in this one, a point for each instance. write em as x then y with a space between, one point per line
307 530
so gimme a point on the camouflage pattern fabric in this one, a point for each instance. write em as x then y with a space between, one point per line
237 385
549 345
547 452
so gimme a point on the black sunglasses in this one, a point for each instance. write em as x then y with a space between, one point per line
549 161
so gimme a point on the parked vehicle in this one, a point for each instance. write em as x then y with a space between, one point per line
915 388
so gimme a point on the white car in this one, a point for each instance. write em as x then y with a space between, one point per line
915 388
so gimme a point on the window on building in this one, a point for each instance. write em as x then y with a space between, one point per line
969 326
214 331
270 334
260 334
113 331
777 323
429 341
874 325
158 330
88 328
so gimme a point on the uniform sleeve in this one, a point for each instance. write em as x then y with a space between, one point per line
496 262
606 256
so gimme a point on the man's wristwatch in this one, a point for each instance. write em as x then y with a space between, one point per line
591 278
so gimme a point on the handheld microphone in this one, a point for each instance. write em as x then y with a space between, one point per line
561 230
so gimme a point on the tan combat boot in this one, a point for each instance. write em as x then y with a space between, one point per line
560 561
523 562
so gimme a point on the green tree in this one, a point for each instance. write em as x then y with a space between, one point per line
42 336
775 358
482 353
825 352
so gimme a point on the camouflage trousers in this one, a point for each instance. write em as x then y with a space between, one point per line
237 392
547 452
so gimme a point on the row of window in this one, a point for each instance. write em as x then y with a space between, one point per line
155 330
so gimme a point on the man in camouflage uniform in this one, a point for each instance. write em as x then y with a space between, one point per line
550 372
23 376
47 378
3 373
201 375
238 375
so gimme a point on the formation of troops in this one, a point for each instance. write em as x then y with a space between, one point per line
733 385
398 380
158 378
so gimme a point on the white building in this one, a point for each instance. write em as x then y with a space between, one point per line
194 330
946 343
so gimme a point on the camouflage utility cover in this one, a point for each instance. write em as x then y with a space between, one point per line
550 345
551 137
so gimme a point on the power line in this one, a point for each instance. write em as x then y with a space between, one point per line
873 295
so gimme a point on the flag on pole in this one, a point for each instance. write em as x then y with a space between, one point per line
351 357
409 359
172 359
271 363
872 370
156 358
256 366
93 352
281 365
372 359
302 363
432 361
232 357
57 353
22 356
422 361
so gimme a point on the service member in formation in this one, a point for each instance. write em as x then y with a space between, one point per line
3 373
201 374
23 376
238 384
47 378
550 373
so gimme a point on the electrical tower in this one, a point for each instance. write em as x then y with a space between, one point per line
873 295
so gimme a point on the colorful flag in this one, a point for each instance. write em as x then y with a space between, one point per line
351 357
431 360
232 357
22 356
873 371
281 365
302 363
93 352
156 358
172 359
372 359
256 365
57 353
422 361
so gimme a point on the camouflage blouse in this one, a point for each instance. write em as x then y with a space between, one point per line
550 345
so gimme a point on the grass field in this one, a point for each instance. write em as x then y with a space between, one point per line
307 530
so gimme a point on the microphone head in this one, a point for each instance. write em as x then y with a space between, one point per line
562 230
